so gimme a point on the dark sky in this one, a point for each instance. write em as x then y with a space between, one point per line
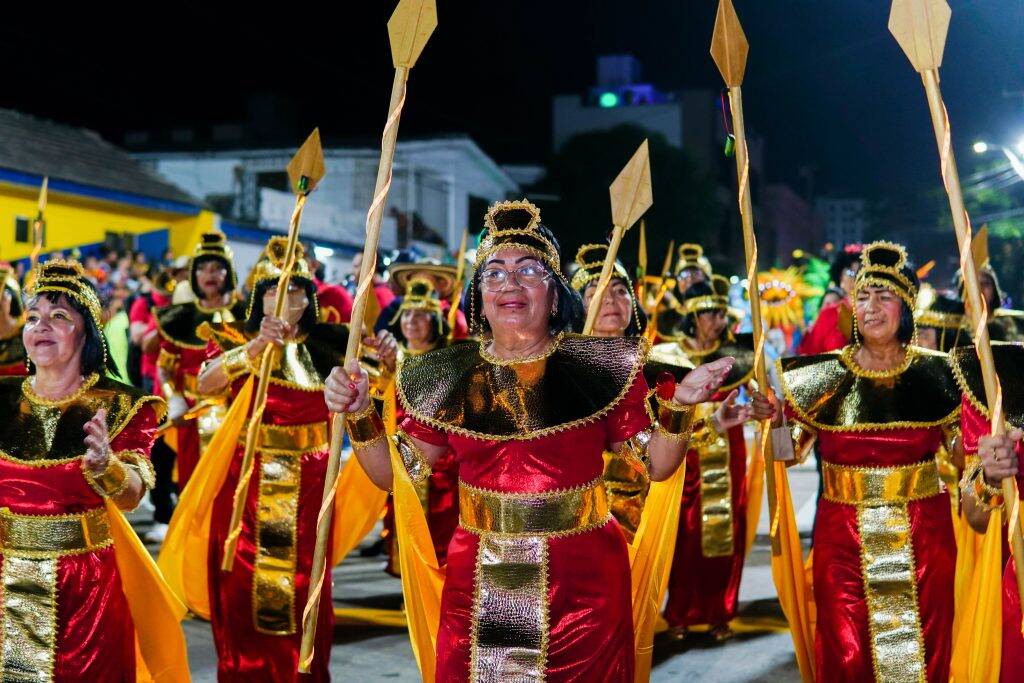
826 84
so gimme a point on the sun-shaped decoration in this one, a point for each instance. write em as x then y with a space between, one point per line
783 292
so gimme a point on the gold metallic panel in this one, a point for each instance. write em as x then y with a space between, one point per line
208 422
458 390
412 457
627 483
716 528
828 395
293 439
509 638
29 619
890 588
857 485
542 514
273 588
40 536
739 346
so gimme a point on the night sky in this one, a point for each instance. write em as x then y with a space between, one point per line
826 84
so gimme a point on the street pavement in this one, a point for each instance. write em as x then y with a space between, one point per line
761 651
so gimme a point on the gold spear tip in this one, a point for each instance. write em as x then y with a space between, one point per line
631 192
729 44
920 27
410 27
306 168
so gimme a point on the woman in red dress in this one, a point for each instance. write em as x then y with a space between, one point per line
74 450
182 352
538 580
884 549
255 609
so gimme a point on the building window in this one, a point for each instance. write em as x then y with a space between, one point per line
23 230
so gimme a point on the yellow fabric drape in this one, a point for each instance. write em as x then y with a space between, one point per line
978 624
650 559
755 492
422 578
358 503
183 558
156 613
789 577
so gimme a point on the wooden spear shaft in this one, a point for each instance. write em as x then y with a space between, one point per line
604 279
263 385
977 306
366 270
753 294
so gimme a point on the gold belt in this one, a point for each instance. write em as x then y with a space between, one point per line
879 485
534 514
293 439
52 536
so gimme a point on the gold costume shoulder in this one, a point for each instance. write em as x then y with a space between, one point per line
825 393
304 364
458 390
667 357
739 346
1007 325
40 432
1009 359
180 323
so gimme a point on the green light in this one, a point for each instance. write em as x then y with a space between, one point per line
608 100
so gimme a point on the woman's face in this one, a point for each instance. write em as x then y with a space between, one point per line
417 328
988 291
689 277
928 337
616 308
54 334
511 307
848 280
878 311
294 306
211 276
710 325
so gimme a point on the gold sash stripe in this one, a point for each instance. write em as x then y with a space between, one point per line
31 546
880 495
280 456
509 640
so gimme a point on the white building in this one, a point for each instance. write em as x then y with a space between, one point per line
440 186
845 219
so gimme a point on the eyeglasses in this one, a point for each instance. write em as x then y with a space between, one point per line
494 279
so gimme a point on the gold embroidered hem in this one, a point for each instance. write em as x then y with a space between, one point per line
277 507
293 439
826 395
551 513
50 537
881 495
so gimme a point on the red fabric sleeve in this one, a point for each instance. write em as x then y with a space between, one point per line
423 432
139 433
824 335
140 312
629 416
974 425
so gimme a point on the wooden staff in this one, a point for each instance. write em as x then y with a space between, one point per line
305 170
409 29
631 197
38 226
641 264
460 276
666 283
920 28
729 49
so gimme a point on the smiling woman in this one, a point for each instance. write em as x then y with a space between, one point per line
74 449
527 414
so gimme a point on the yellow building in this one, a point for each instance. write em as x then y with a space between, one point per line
98 194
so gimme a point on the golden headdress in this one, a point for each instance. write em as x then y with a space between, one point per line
68 278
270 266
9 280
420 295
884 264
718 300
692 256
517 224
213 244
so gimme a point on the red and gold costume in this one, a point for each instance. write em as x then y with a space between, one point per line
256 608
13 360
183 352
81 597
525 436
711 542
831 331
975 423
